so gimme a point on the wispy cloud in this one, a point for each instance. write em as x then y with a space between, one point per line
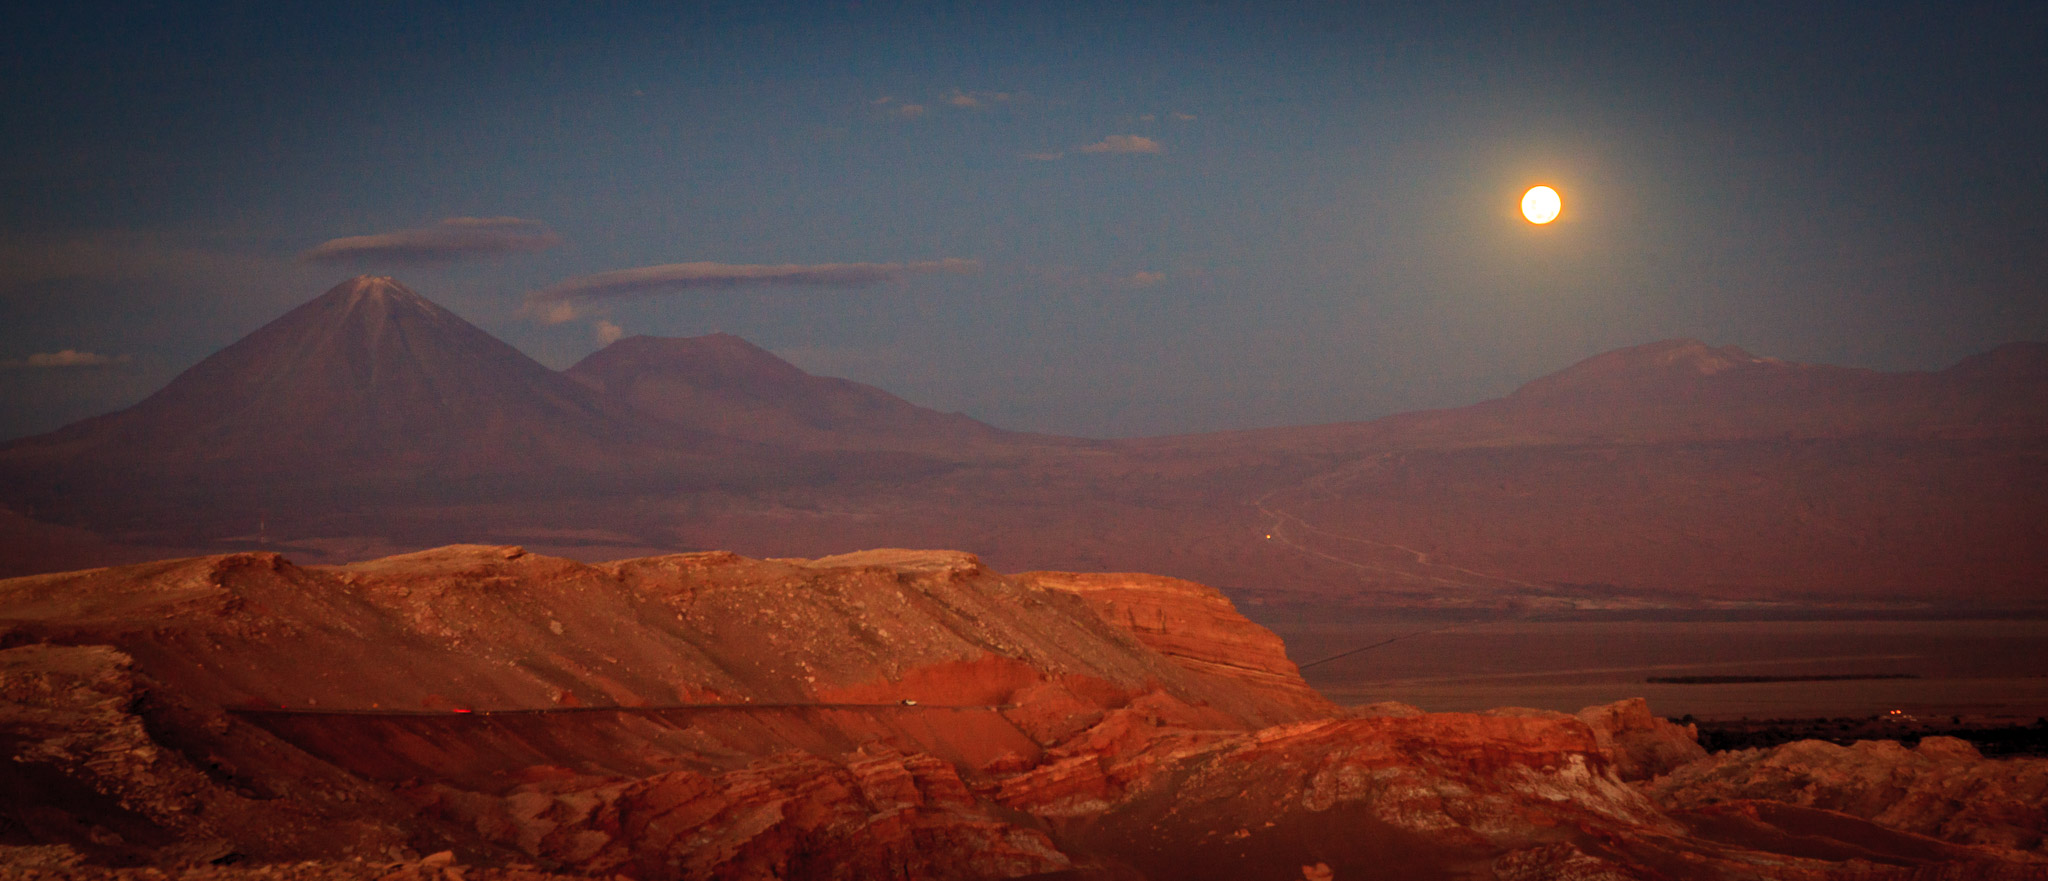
1123 144
959 98
607 332
558 303
67 358
1128 144
1178 116
899 109
456 238
1146 278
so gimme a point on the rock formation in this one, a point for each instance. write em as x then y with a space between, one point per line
1195 626
1941 788
907 714
1641 745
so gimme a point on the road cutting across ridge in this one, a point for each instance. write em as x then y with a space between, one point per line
643 710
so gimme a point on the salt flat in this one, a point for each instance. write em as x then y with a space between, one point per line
1978 668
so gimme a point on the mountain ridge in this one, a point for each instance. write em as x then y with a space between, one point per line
722 384
1669 473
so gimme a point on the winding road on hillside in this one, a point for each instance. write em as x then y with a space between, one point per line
1424 567
645 710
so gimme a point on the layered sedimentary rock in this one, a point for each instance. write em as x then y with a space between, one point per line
475 713
497 628
874 814
108 764
1196 627
1942 788
1642 745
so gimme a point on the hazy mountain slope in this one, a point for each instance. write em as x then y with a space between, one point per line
1675 470
1654 475
721 384
365 400
367 377
1682 390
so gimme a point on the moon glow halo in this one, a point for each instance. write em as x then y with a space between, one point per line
1541 204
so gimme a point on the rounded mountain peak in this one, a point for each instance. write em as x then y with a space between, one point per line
719 356
1650 364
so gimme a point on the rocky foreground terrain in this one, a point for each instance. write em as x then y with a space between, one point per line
479 713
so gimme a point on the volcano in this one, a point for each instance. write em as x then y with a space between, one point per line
1670 473
367 377
368 391
721 384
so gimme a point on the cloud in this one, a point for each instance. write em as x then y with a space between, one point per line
66 359
457 238
607 332
1123 144
1146 279
1043 157
958 98
909 111
556 304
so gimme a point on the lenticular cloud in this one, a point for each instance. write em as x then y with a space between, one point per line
456 238
556 304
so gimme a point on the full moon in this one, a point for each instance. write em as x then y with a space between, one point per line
1540 204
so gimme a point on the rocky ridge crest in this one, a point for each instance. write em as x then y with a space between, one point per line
884 714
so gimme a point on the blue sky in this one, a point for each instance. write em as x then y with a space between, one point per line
1176 217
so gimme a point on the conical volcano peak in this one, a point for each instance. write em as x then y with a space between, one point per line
367 289
371 302
370 286
369 376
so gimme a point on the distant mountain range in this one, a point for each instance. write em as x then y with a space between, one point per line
721 385
1671 474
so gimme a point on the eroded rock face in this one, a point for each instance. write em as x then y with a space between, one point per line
875 815
821 706
1641 745
1196 627
888 714
90 773
494 627
1942 789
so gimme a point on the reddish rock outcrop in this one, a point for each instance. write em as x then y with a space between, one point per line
877 814
1640 745
108 765
1197 627
1942 788
905 714
494 627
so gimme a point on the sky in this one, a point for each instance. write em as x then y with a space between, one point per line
1100 219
